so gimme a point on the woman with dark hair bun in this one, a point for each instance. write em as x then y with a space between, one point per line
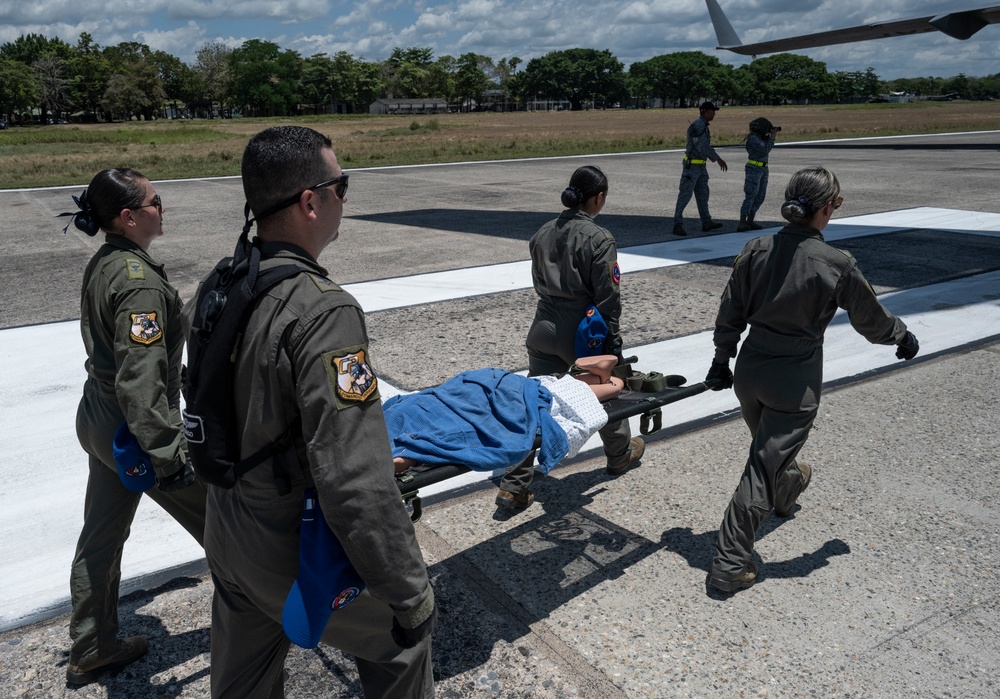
130 317
574 265
787 288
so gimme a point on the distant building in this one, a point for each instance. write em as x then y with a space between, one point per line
428 105
539 105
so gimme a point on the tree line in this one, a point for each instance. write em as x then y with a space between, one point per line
47 78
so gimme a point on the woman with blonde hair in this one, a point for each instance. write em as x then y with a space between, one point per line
787 288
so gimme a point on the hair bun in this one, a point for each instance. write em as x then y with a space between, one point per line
801 201
572 197
84 218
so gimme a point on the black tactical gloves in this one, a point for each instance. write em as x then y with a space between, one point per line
181 478
908 347
407 638
720 371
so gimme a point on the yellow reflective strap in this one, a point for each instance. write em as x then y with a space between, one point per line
758 163
694 162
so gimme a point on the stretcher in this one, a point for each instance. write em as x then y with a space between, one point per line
629 403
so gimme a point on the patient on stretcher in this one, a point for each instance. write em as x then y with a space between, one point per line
487 419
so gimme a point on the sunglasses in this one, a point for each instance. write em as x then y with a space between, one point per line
156 202
837 202
340 192
340 183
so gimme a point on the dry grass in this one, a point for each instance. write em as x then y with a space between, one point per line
68 154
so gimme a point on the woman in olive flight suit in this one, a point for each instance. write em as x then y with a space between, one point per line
130 317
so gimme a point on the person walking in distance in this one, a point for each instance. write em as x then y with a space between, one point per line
694 176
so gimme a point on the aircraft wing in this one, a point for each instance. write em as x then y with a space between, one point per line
958 25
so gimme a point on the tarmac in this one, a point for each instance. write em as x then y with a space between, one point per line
882 584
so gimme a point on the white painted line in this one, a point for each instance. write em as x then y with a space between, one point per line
385 294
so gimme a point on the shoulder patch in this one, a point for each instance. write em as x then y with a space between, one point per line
134 268
145 329
324 284
615 271
350 376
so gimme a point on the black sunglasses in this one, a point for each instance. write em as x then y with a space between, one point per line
340 192
155 202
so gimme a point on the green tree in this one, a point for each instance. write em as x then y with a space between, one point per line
871 83
89 71
317 79
265 79
848 85
472 77
28 48
354 84
50 72
578 75
787 76
957 84
212 67
503 76
683 76
178 79
136 91
126 54
19 90
408 72
441 78
47 58
369 83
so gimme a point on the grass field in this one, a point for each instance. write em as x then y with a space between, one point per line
70 154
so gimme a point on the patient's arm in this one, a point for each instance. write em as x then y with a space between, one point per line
604 390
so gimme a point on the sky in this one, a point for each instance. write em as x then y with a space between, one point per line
633 31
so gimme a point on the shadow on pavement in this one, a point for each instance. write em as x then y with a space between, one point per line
166 650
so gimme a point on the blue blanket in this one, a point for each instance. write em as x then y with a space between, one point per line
485 419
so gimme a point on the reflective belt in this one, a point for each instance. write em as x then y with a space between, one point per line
693 162
758 163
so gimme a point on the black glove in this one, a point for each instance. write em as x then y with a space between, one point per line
720 371
908 347
407 638
181 478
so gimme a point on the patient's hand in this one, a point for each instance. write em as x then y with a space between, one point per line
402 463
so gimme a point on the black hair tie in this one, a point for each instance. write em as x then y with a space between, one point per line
803 201
82 219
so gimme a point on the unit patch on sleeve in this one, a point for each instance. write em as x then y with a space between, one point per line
616 272
351 378
135 268
145 330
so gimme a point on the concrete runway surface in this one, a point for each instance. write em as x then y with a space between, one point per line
883 584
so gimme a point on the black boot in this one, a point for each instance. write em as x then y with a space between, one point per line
753 226
744 226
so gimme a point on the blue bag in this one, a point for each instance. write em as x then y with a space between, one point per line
591 333
135 468
326 582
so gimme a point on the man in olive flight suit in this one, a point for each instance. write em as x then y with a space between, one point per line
304 349
694 177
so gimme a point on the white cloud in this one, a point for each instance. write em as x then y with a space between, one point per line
633 30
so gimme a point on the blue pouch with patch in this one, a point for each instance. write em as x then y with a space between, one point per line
135 468
326 582
591 333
